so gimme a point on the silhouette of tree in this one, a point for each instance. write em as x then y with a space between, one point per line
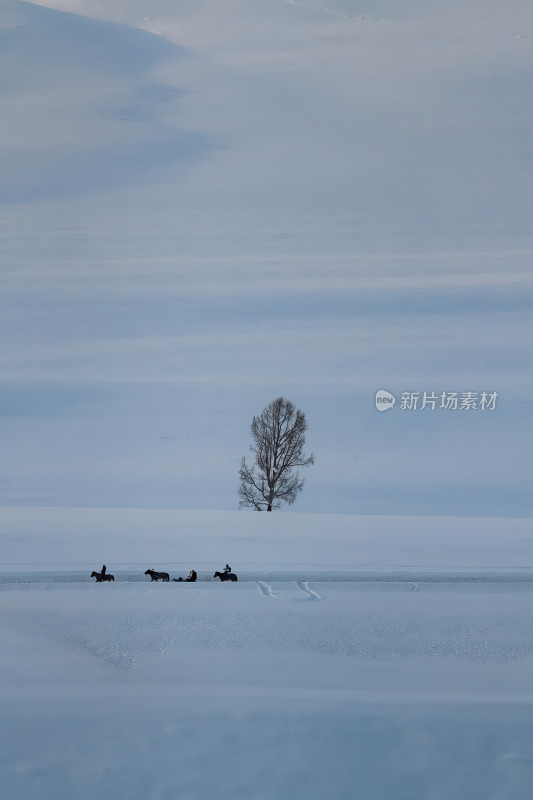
278 439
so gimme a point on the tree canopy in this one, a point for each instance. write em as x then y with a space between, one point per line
278 440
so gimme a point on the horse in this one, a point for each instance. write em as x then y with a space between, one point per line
157 576
102 577
225 576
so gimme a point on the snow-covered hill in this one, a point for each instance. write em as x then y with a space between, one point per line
264 198
81 109
205 205
68 543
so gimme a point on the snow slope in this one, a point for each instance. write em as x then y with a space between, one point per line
80 108
206 205
48 542
264 199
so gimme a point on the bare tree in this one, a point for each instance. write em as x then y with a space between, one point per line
278 442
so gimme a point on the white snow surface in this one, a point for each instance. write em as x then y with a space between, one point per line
206 205
319 671
308 200
270 546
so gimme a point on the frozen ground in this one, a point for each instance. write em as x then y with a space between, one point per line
361 682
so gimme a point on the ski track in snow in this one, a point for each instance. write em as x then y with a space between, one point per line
266 589
304 586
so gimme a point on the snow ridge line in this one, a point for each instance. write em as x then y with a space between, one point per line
312 595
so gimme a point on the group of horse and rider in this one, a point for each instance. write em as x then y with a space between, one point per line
226 575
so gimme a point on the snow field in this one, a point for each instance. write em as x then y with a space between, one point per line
266 690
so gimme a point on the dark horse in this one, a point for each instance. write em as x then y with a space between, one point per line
225 576
102 576
157 576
